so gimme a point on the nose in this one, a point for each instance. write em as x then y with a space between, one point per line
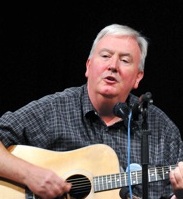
113 65
112 68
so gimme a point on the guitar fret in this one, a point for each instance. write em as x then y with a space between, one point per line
166 172
104 180
122 179
119 180
109 182
113 180
102 183
163 171
152 175
133 178
125 177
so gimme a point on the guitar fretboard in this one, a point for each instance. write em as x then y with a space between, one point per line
114 181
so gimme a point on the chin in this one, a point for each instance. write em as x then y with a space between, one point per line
108 94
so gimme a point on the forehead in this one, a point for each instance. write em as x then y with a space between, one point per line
119 43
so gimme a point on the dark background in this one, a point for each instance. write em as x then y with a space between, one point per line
44 47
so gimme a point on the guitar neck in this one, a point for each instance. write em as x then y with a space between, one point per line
115 181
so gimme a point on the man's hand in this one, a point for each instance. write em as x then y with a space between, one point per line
176 179
42 182
46 184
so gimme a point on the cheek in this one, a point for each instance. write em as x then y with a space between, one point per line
127 75
129 78
93 71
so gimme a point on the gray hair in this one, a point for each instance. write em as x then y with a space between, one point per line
122 30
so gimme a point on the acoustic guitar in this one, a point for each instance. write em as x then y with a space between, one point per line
93 171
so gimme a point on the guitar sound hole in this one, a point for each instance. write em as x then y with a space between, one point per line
81 186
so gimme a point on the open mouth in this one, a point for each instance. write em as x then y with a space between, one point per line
111 78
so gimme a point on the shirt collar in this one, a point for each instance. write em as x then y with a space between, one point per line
88 107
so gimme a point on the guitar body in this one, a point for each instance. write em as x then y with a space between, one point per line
90 161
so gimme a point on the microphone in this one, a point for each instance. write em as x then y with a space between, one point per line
144 101
122 110
147 97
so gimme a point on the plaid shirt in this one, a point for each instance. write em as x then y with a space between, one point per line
67 121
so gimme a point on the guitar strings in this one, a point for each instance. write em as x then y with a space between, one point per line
120 180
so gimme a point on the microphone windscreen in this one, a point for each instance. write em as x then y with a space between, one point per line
121 110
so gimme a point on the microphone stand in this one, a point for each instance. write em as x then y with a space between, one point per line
145 148
121 110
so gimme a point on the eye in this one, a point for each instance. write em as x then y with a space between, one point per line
125 60
105 56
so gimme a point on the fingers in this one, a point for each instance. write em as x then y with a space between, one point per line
55 191
176 179
46 184
176 176
67 187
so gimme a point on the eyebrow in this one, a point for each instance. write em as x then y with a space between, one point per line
126 54
111 51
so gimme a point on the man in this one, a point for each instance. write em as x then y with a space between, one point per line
83 116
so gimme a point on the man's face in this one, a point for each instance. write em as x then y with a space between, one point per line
112 70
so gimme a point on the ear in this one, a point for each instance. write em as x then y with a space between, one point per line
87 67
140 75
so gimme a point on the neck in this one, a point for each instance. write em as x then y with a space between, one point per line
110 121
104 108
